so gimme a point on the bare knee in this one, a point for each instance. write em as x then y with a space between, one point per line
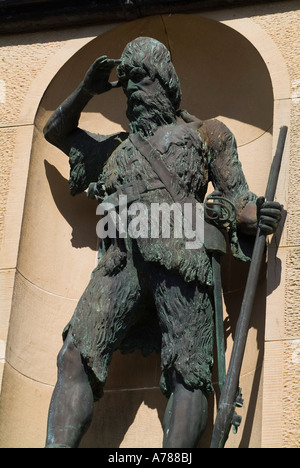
69 361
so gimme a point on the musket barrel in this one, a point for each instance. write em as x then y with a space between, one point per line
276 164
230 388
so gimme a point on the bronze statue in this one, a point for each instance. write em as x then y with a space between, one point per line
150 293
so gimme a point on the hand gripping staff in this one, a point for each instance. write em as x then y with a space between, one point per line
230 391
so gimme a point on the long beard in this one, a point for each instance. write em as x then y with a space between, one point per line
146 113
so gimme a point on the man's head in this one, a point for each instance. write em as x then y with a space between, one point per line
149 80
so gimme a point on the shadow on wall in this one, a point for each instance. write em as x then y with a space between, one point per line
80 215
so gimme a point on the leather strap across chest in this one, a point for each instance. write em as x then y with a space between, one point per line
154 159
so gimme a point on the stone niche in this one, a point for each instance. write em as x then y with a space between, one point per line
223 76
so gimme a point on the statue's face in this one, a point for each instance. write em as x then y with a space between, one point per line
146 69
137 83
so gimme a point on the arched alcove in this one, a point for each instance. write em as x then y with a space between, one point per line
223 76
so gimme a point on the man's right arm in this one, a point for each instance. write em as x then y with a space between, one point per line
61 129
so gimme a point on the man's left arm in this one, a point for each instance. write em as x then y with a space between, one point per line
227 176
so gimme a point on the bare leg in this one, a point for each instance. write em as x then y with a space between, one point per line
186 416
71 407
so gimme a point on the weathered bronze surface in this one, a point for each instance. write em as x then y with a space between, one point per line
149 292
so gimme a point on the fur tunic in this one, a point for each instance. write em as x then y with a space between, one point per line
153 293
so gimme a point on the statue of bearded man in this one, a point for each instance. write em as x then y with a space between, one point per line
148 293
